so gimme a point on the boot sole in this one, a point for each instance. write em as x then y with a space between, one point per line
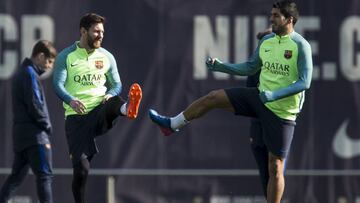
134 99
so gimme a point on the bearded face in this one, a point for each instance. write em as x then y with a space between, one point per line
278 29
94 42
278 22
95 35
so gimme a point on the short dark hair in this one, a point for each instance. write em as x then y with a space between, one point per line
46 47
89 19
288 8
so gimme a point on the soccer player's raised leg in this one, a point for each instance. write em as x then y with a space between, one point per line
215 99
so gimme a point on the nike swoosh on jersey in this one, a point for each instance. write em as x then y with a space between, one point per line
343 145
76 63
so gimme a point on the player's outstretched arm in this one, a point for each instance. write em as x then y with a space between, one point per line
250 67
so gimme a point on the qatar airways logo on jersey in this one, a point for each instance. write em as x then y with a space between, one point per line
87 79
277 68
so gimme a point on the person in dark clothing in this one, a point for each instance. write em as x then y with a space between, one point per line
31 125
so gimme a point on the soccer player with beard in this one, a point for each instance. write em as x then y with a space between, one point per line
285 61
86 79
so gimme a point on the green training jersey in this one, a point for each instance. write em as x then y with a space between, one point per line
87 77
280 58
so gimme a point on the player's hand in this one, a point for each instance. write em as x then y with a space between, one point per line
77 106
266 96
106 98
210 63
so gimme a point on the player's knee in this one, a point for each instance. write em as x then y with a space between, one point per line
84 171
44 178
212 97
81 171
276 168
81 174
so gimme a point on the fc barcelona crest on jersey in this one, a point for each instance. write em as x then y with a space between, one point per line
99 64
288 54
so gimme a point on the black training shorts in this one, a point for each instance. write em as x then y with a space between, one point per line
81 130
277 133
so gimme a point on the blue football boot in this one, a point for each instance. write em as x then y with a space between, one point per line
162 121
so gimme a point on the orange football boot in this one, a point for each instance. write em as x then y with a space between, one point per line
134 99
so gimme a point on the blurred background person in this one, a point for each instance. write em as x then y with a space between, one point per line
31 125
